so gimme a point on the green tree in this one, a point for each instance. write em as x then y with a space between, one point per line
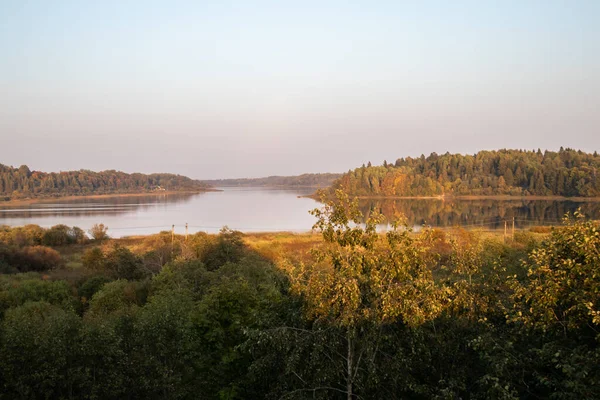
93 259
123 264
361 278
38 351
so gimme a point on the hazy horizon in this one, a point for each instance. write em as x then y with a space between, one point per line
238 90
378 162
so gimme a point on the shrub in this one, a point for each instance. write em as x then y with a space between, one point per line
29 258
540 229
77 235
37 258
93 259
99 232
123 264
92 286
58 235
28 235
229 247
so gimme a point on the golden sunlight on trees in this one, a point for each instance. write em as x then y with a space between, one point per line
563 287
360 279
99 232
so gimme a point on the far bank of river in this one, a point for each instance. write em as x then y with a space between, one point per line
470 197
101 196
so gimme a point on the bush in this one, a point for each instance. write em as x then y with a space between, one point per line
38 346
540 229
98 232
29 258
93 259
117 295
123 264
229 247
58 235
77 235
28 235
37 258
92 286
20 289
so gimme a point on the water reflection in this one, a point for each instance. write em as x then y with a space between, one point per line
268 210
85 207
487 213
245 209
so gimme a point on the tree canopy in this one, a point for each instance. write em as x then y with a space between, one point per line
23 183
567 172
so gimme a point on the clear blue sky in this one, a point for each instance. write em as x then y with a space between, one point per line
255 88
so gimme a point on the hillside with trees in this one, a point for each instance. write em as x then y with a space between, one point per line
304 180
21 183
568 173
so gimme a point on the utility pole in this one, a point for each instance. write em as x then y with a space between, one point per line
186 231
513 230
505 231
172 238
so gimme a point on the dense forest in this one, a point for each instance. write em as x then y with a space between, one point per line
17 183
345 314
304 180
567 172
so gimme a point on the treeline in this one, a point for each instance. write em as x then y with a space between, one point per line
304 180
428 315
16 183
567 172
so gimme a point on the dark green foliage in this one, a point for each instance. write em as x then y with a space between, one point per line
61 235
218 321
117 295
23 183
504 172
91 286
121 263
38 347
29 287
166 338
229 247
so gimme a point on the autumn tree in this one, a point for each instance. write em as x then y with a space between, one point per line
99 232
563 286
361 279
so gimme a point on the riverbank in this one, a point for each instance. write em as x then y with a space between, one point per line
315 196
35 200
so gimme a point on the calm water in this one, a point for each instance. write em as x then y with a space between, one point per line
259 210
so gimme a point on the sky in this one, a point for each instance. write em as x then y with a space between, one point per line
225 89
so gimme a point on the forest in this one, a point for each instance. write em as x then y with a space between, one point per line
305 180
569 173
344 313
22 183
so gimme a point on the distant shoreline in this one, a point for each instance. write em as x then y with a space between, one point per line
100 196
314 196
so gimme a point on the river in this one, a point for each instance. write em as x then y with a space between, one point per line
267 210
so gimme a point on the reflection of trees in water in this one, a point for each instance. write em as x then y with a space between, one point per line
85 207
485 212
